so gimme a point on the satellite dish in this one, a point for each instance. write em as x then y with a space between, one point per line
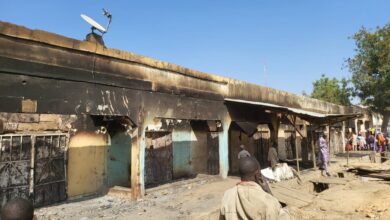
94 24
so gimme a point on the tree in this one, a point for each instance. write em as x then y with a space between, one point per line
370 68
332 90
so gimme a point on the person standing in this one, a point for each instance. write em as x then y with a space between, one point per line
354 141
273 158
371 141
361 142
381 142
243 153
324 156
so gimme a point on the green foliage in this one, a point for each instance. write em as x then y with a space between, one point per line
332 90
370 68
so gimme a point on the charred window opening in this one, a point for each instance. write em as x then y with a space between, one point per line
255 136
112 124
118 148
207 147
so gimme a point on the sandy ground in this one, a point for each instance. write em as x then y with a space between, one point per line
190 200
357 198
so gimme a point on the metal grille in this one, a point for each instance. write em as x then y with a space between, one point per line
33 166
213 153
290 144
262 148
15 164
49 169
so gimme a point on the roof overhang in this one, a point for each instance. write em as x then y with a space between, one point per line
312 117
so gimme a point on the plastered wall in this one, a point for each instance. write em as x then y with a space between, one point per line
87 163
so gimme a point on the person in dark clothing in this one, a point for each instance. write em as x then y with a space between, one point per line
273 158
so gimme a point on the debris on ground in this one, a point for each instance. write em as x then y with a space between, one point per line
373 170
346 196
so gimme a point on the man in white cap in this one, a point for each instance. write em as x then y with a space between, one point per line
243 152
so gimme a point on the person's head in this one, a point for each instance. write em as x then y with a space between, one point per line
18 209
249 169
324 136
274 144
242 147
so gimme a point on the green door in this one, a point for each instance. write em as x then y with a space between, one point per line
182 166
118 171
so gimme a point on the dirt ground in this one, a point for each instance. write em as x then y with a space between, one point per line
189 199
354 197
355 200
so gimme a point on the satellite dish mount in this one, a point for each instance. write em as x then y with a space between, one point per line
94 37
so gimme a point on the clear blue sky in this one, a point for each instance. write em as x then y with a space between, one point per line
296 41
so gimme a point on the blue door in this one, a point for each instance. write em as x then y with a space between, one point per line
182 166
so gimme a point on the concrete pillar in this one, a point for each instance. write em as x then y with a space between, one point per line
224 146
343 137
138 158
313 152
356 126
296 149
137 184
330 146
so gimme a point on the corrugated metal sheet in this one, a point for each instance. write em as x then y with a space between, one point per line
306 115
248 127
278 107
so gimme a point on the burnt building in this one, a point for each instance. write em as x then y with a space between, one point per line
77 118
